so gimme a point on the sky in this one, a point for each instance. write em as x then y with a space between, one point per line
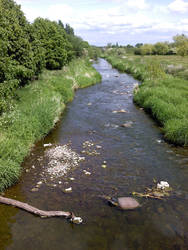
109 21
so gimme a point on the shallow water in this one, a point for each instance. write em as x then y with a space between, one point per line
135 156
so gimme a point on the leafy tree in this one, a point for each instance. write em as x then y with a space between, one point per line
69 30
161 48
138 45
53 41
181 44
17 56
146 49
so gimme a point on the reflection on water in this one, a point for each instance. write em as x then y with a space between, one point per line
135 155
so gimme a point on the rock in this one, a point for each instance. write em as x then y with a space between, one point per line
72 179
34 189
47 145
103 166
98 146
119 111
68 190
89 104
127 125
33 167
127 203
39 183
60 182
86 172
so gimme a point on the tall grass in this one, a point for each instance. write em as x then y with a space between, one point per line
35 112
164 96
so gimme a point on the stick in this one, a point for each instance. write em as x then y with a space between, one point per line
36 211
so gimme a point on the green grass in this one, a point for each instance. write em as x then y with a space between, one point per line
162 95
36 110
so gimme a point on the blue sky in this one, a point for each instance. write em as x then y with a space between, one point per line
110 21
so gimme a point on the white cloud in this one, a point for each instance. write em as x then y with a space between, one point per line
178 6
138 4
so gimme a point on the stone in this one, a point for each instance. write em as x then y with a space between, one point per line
127 125
128 203
34 189
103 166
68 190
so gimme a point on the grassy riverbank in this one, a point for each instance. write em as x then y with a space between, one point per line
35 112
160 94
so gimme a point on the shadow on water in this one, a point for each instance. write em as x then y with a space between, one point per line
135 156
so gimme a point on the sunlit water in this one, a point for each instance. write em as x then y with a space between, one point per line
135 156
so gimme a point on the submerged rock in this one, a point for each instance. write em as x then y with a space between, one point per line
127 203
127 124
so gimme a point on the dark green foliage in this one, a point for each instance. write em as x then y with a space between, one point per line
53 41
20 55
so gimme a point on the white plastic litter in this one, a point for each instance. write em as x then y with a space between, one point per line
163 185
77 220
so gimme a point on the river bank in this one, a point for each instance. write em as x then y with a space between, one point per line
35 111
160 94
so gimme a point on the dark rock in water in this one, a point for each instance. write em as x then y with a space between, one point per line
128 203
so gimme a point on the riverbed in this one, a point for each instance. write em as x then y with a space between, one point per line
118 160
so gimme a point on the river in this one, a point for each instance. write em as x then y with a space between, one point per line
135 157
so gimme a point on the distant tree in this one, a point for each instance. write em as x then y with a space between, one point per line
181 44
69 30
146 49
61 24
138 45
161 48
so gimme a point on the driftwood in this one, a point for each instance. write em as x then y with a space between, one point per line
41 213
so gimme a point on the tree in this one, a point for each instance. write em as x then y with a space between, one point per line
53 41
181 44
146 49
161 48
19 57
69 30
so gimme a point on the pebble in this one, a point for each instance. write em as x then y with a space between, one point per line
98 146
33 167
103 166
60 182
39 183
68 190
127 203
47 145
127 125
34 189
72 179
86 172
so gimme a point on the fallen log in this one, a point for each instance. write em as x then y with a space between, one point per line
41 213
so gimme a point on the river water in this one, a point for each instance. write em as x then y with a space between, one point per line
135 156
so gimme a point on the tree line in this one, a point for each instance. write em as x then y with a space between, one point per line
179 46
28 48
